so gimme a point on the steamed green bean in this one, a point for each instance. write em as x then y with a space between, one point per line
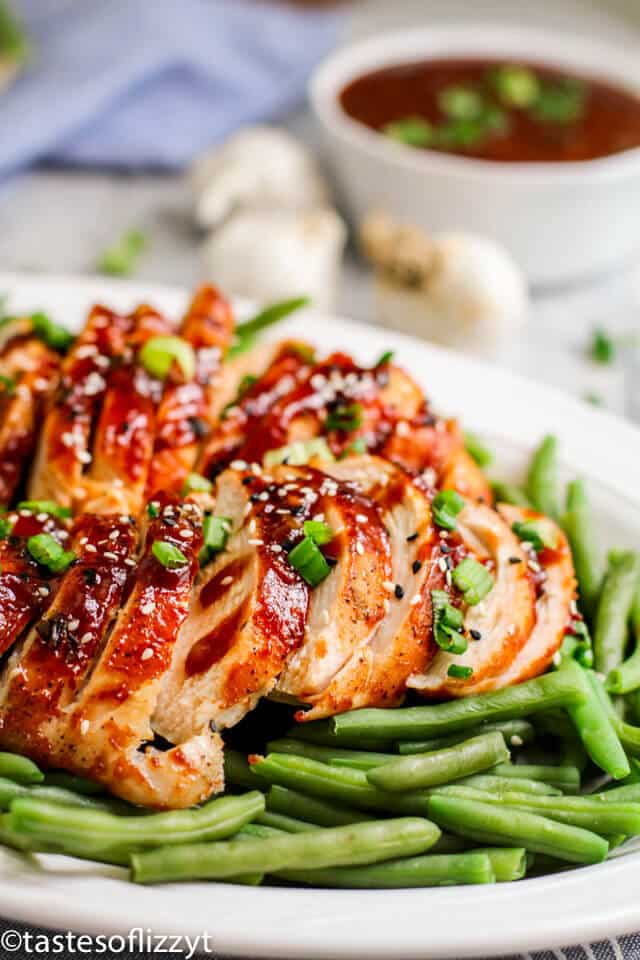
614 607
579 528
432 870
563 776
312 809
20 769
515 732
543 483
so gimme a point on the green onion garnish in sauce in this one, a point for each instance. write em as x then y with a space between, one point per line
445 509
168 554
473 580
158 355
46 551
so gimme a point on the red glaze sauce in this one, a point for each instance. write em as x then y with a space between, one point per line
607 121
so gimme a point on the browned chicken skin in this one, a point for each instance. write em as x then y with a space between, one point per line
124 664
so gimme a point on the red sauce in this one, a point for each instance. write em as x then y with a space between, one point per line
606 121
212 647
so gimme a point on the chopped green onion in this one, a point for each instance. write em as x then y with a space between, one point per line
536 532
46 551
384 359
196 483
516 86
307 559
447 622
5 527
345 417
45 506
445 508
602 348
358 446
14 44
318 531
153 509
460 103
121 258
458 672
298 453
414 131
594 399
159 353
477 450
304 351
168 554
215 533
560 101
245 333
473 580
9 384
55 336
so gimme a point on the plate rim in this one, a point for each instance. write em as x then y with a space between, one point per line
287 922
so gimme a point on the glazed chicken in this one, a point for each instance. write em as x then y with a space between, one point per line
188 533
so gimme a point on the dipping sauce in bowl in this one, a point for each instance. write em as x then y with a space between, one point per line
496 110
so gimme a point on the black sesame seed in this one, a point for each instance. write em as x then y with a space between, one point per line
248 480
515 560
254 498
445 548
331 561
213 726
398 591
476 635
200 427
415 566
413 536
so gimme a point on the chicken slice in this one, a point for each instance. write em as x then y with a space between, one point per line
188 409
251 385
556 599
28 375
501 624
45 672
402 642
108 734
249 609
347 607
25 590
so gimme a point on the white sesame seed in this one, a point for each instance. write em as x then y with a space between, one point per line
556 659
283 511
389 586
361 518
108 555
42 517
276 548
415 600
90 548
84 456
43 591
147 606
86 350
147 653
226 581
442 564
238 464
24 513
511 629
402 428
359 548
269 508
93 384
129 562
73 624
114 535
255 542
84 727
86 637
386 605
186 534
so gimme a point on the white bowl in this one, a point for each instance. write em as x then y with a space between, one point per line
561 221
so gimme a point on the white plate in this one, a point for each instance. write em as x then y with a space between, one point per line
581 905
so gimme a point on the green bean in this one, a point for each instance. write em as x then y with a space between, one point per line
515 732
238 771
628 735
322 733
589 812
280 799
440 766
579 527
492 823
94 834
594 726
626 677
20 769
627 793
279 821
543 483
10 790
450 843
543 693
358 843
338 784
433 870
477 450
358 759
614 607
69 781
491 783
510 493
507 863
562 776
632 703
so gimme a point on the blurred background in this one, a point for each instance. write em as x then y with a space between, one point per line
128 146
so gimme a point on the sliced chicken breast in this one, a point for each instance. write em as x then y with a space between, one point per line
249 609
501 624
556 588
401 643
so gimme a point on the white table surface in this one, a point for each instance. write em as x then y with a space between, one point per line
59 221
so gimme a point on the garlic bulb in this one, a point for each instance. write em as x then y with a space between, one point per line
457 289
258 166
273 254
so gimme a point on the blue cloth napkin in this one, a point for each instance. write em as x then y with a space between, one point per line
149 83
